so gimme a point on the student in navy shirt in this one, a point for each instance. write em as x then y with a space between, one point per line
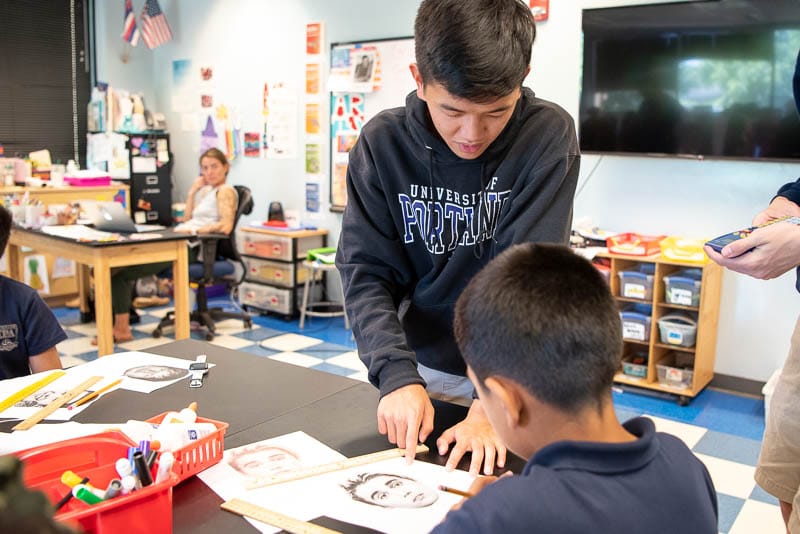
28 329
540 333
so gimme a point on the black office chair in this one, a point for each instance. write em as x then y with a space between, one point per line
219 254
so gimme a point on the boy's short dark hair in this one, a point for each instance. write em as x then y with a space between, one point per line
5 229
476 49
544 317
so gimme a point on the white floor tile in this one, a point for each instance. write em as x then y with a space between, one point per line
689 434
290 342
361 375
296 359
760 517
348 360
77 345
730 478
231 342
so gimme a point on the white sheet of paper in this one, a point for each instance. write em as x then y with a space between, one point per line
44 396
324 495
266 458
142 372
63 268
142 165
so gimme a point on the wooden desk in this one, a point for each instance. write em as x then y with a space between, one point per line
64 289
103 257
260 399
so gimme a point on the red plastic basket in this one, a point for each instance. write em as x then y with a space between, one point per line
632 244
146 510
201 454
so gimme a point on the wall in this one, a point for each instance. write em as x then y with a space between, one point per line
665 195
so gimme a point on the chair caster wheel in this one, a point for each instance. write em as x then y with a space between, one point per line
157 333
209 337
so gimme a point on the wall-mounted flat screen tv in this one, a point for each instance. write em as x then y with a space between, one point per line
704 79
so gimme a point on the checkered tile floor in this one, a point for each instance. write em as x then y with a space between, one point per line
724 430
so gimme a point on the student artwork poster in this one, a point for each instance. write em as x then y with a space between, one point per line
389 496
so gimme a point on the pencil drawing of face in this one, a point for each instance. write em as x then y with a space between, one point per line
390 491
39 399
156 373
263 461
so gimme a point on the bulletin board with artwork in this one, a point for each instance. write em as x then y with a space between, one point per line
365 78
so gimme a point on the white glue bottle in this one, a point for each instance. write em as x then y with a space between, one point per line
172 437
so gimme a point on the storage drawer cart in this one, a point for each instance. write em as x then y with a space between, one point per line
275 274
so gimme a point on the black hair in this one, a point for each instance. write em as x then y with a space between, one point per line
476 49
544 317
352 485
5 229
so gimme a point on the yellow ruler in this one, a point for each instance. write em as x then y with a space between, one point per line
347 463
58 403
27 391
289 524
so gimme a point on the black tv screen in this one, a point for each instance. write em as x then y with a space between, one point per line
701 79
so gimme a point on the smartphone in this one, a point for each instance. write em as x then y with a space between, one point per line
718 243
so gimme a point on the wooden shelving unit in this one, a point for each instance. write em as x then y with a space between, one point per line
707 312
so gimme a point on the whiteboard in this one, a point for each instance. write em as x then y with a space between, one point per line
395 55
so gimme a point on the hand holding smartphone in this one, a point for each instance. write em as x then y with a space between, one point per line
718 243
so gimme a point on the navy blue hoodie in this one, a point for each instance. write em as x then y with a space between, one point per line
420 222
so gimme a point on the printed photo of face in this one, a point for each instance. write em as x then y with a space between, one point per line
390 491
156 373
264 461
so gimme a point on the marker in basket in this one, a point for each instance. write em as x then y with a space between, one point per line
66 498
114 488
165 463
69 478
455 491
128 484
142 472
150 458
86 495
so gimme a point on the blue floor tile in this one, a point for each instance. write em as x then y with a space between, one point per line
324 351
333 369
728 447
762 496
259 334
729 508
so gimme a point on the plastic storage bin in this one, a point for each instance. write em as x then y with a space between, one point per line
634 364
201 454
637 284
274 299
671 376
274 272
636 322
146 510
632 244
683 287
277 247
684 249
678 329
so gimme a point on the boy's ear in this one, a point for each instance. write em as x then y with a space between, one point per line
508 396
418 80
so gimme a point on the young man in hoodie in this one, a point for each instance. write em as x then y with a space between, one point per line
473 164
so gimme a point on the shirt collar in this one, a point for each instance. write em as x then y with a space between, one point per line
599 457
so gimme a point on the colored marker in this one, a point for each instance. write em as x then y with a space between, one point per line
142 473
86 495
114 488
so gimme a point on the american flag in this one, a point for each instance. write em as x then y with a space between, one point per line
129 30
155 30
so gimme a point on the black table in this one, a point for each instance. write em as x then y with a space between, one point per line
260 399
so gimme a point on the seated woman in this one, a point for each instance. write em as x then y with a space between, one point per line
210 209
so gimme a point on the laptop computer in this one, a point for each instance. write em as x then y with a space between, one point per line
113 217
